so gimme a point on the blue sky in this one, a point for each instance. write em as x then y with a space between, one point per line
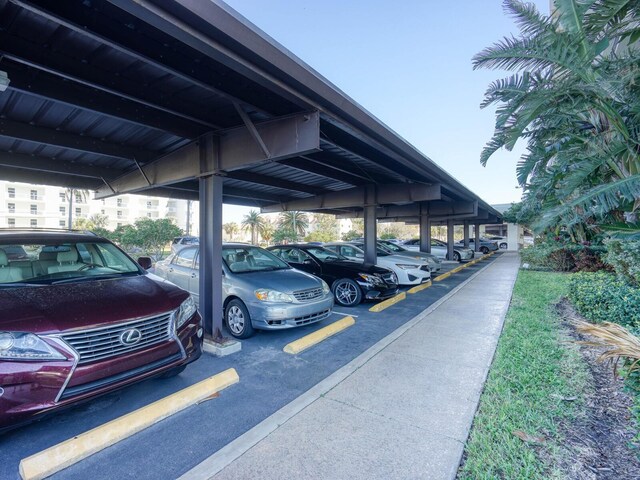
409 64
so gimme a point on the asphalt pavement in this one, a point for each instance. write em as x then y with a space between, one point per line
272 381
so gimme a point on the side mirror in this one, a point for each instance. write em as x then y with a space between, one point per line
359 255
145 262
307 261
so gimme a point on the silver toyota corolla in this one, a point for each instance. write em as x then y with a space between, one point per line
260 291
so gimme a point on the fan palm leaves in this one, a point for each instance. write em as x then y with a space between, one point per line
253 221
574 97
294 221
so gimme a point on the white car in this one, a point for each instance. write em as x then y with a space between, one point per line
501 241
410 271
439 249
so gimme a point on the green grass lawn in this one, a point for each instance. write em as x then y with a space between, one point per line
534 368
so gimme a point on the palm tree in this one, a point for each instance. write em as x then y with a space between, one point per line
573 98
295 221
254 222
80 196
230 229
267 231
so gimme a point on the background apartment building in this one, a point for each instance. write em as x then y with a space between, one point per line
24 205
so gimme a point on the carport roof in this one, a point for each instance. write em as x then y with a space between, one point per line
101 89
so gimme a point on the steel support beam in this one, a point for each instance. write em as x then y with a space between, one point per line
370 230
54 179
359 197
260 179
285 137
81 143
44 85
210 242
436 209
477 235
450 239
316 167
47 165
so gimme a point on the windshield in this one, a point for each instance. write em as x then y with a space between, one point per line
391 247
379 251
324 254
251 259
41 264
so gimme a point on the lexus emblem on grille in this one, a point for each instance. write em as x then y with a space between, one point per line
130 337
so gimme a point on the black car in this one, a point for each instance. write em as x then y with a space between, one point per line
350 281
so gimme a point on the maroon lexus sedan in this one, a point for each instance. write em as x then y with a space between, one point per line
79 318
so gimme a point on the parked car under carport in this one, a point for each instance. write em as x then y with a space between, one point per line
260 291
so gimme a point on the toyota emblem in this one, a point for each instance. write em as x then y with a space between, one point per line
130 337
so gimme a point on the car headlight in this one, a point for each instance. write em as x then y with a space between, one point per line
185 312
26 346
325 287
407 266
370 278
266 295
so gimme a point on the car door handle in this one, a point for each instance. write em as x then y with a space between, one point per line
193 275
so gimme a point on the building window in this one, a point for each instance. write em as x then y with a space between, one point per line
63 196
62 223
34 194
104 201
119 213
102 211
119 202
12 192
34 209
78 211
34 222
11 207
149 215
78 198
149 205
63 210
11 222
119 224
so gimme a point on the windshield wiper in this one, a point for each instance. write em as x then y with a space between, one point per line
20 284
92 277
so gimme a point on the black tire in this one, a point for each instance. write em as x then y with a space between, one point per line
173 372
484 250
456 256
346 292
503 246
238 320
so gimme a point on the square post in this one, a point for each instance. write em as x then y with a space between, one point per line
450 239
210 242
477 235
425 234
370 227
466 234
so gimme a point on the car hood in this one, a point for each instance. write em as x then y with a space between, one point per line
88 304
395 258
287 281
420 255
352 266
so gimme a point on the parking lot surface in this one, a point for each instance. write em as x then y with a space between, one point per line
269 380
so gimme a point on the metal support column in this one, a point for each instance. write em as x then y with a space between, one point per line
466 234
370 231
477 235
450 239
425 234
210 242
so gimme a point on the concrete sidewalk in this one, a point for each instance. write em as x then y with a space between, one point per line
401 410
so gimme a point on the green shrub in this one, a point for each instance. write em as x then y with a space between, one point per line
624 257
562 256
602 297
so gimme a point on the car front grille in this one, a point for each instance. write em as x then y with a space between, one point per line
307 295
311 318
107 342
390 278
